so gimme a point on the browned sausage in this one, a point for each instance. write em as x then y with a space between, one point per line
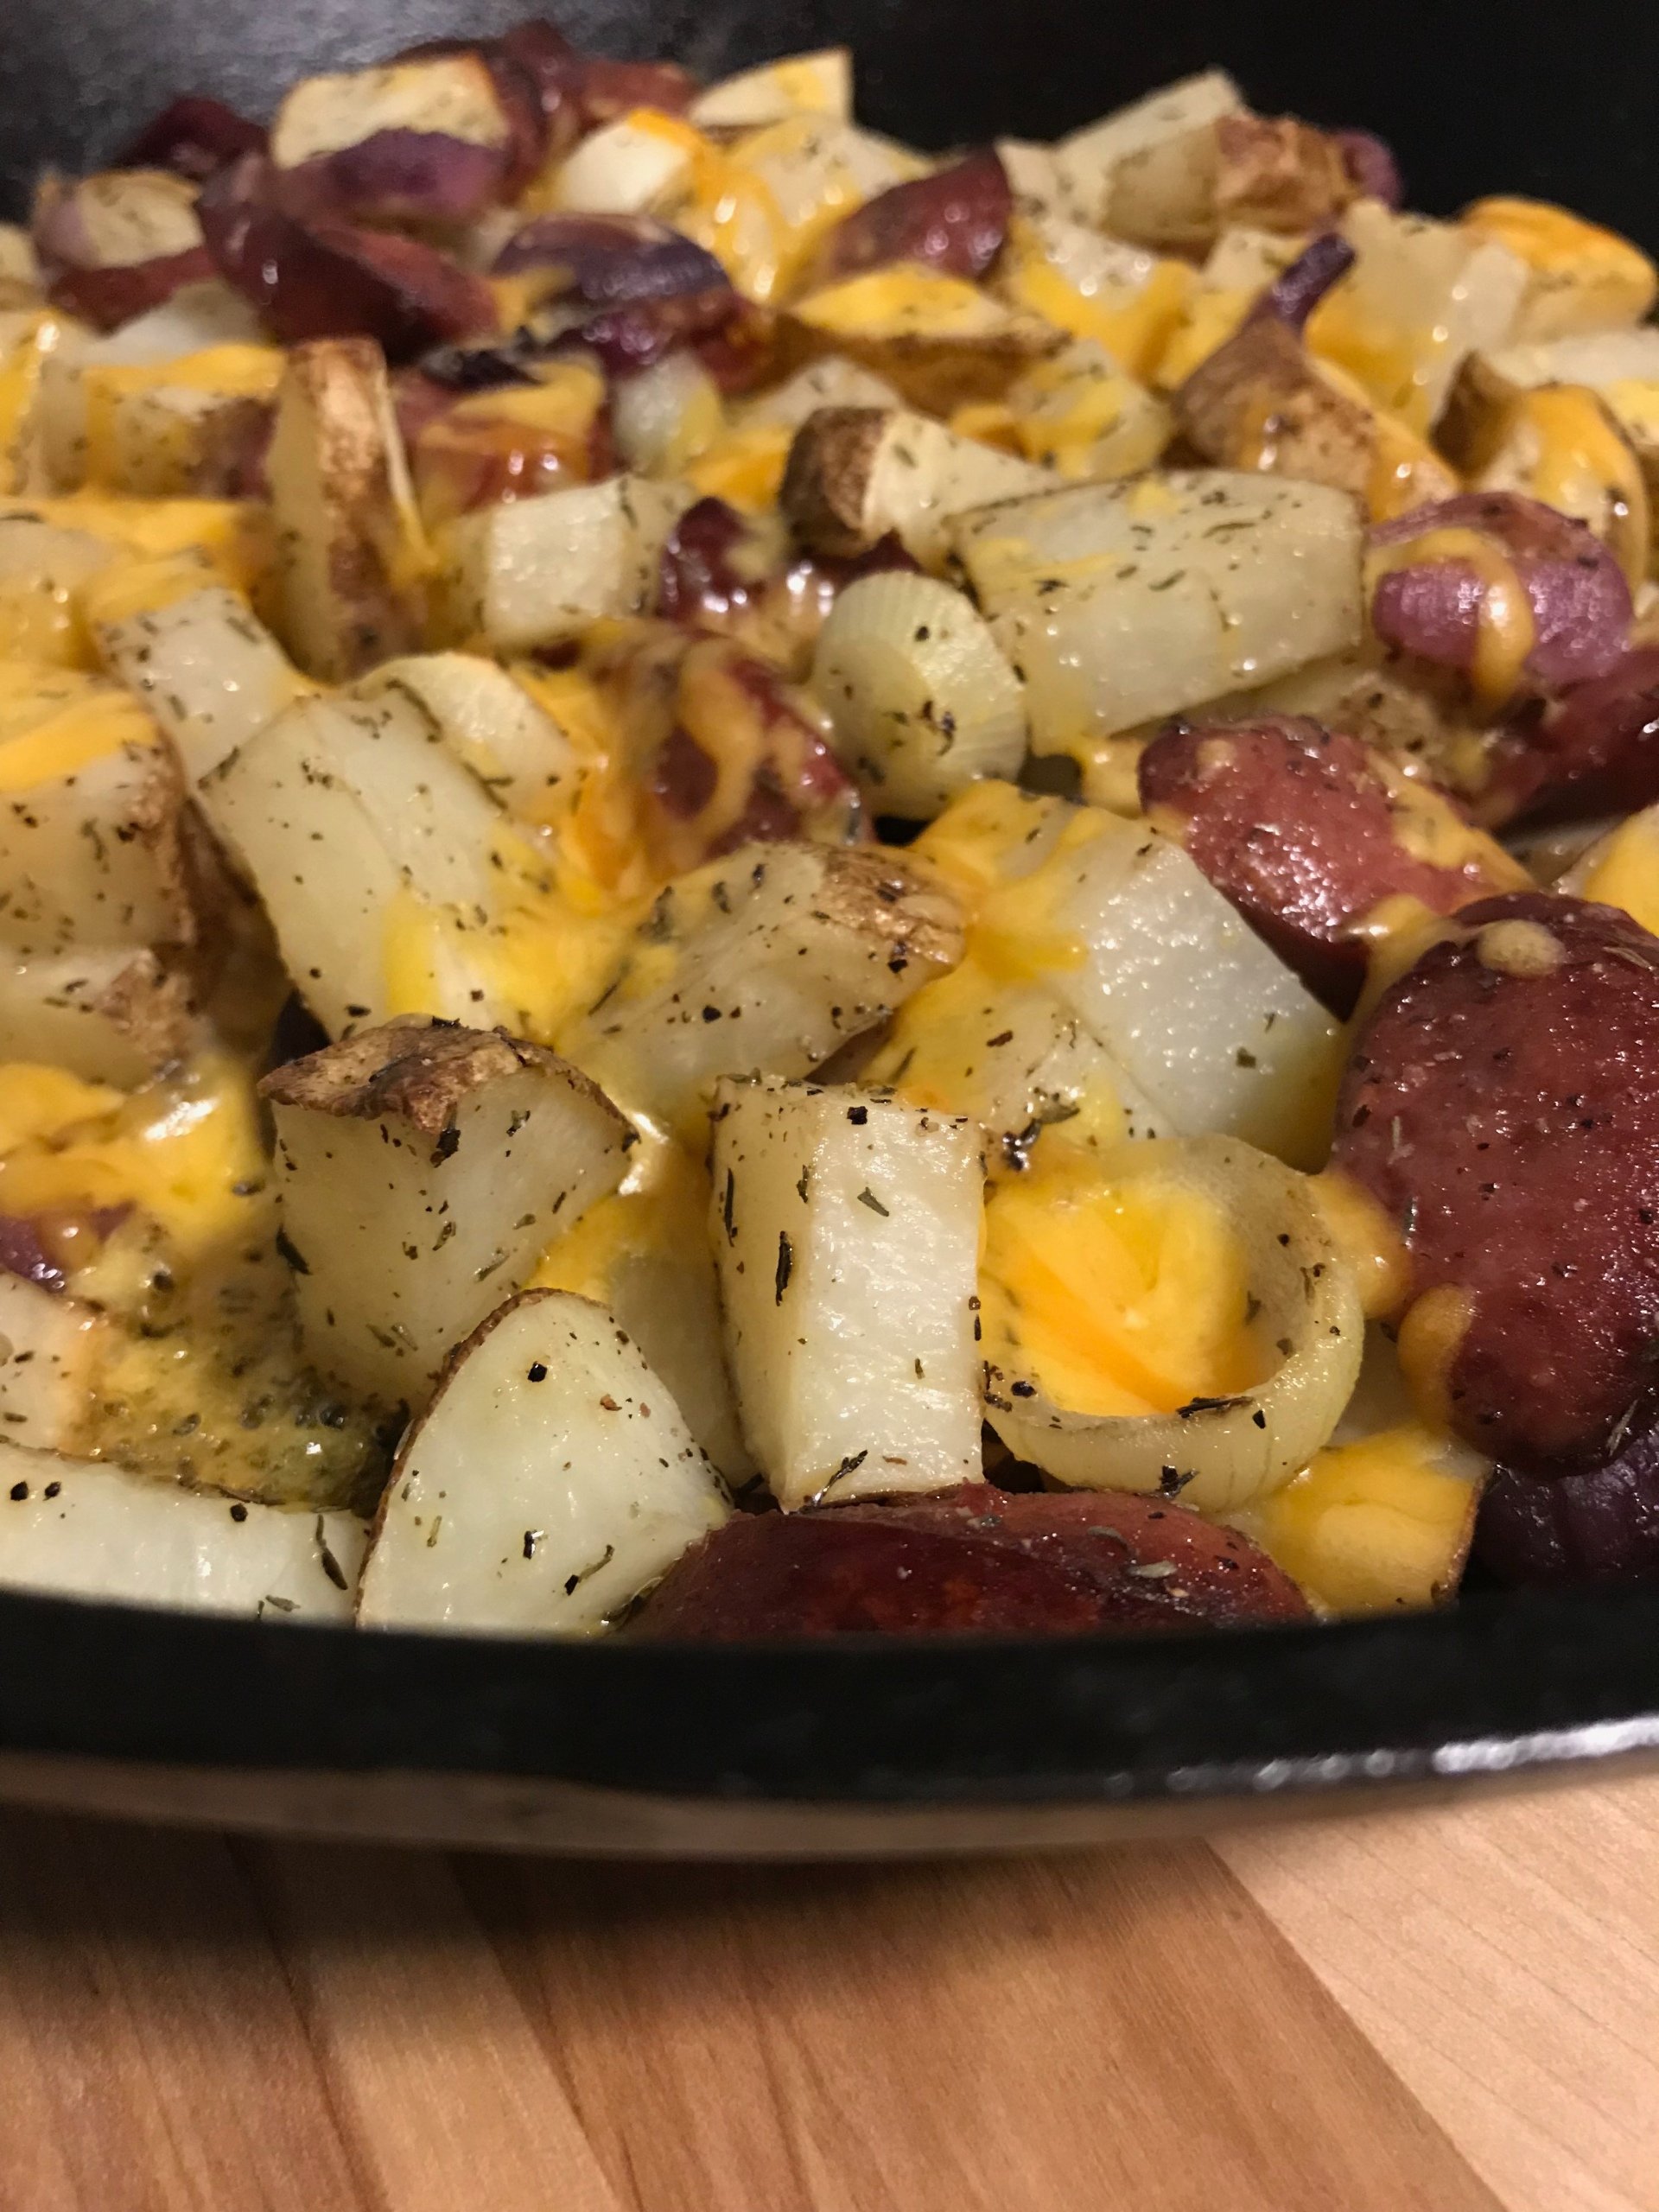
1503 1105
978 1559
1602 1527
1307 831
1595 751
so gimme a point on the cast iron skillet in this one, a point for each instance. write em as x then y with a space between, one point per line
859 1745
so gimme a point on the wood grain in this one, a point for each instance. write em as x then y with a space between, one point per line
1454 2011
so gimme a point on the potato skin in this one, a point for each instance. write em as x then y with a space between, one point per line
1503 1106
977 1560
955 220
1298 826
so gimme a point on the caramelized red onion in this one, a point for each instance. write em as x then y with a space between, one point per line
1576 592
332 280
955 220
1369 162
611 260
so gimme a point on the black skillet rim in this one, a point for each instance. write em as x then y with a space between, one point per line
1495 1683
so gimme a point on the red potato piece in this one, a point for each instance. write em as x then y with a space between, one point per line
955 220
978 1559
1593 751
329 280
519 90
1602 1527
1577 593
1503 1108
1307 831
193 135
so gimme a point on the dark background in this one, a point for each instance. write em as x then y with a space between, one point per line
1556 99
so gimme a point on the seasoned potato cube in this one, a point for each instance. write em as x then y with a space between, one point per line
830 382
187 429
347 537
1118 603
421 1168
846 1226
79 1528
763 962
372 848
625 168
1080 416
206 668
1580 278
50 1345
943 342
800 84
856 472
491 724
1420 299
20 273
535 572
90 801
445 96
1123 297
111 1016
42 566
550 1483
1089 159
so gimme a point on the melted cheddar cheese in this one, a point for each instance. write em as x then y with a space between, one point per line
1622 870
1505 633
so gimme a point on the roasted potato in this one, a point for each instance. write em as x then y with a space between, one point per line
113 1016
846 1227
550 1482
856 472
940 340
206 668
420 1169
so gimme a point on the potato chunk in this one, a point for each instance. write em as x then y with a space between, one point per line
490 724
78 1529
371 847
1122 602
1090 158
113 1016
765 963
550 1483
89 822
846 1226
940 340
206 668
534 572
347 540
856 472
421 1168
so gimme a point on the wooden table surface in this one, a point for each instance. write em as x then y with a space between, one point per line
1456 2010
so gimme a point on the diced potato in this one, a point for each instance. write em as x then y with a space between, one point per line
1037 180
800 84
765 963
1622 367
831 382
626 168
667 415
856 472
846 1232
1425 724
444 95
89 822
1564 445
1581 278
1118 603
1090 158
371 847
1125 298
115 1017
491 724
644 1254
42 566
535 572
50 1346
1164 195
20 272
206 668
29 338
421 1168
348 545
200 320
763 208
942 342
79 1528
190 428
1419 300
1081 416
552 1483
